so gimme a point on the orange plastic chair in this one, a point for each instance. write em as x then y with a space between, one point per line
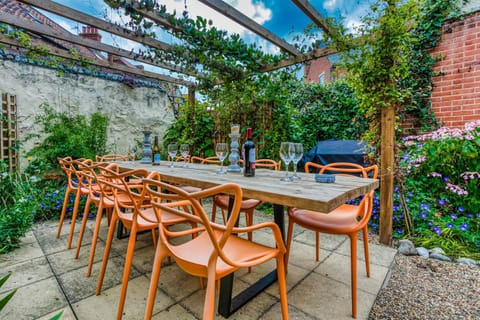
347 219
216 251
111 157
209 160
97 195
248 205
136 214
75 185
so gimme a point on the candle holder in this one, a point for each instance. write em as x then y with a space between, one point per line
234 156
147 148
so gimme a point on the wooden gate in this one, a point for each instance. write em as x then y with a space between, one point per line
9 132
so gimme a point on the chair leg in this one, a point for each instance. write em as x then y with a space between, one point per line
249 221
353 276
64 210
84 224
106 252
317 246
289 240
282 285
209 306
365 250
96 230
160 254
126 270
74 218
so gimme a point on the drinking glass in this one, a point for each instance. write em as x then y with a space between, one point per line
184 150
296 156
172 152
221 150
285 155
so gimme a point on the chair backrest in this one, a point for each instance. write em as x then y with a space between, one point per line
111 157
72 169
265 163
89 174
134 197
209 160
344 169
176 198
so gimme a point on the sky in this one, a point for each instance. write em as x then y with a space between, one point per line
281 17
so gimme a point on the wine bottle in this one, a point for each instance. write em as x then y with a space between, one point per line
249 156
156 152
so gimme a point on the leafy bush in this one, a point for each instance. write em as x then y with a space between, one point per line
437 201
66 135
17 208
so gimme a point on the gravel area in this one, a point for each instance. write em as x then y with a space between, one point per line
421 288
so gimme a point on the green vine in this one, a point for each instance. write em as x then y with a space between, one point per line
223 57
427 33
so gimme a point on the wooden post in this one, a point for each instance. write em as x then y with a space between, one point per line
387 166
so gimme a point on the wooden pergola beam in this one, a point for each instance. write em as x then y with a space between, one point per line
97 62
66 36
111 28
235 15
314 15
89 20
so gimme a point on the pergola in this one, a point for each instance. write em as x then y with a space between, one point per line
294 57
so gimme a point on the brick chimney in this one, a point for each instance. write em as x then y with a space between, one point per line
91 33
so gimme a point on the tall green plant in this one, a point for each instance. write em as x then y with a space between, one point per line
65 135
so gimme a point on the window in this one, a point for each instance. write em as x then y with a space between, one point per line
321 78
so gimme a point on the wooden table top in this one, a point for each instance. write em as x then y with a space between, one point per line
266 185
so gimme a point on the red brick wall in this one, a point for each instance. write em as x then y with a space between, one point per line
456 93
315 69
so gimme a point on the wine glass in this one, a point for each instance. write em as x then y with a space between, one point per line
221 150
184 150
285 155
296 155
172 152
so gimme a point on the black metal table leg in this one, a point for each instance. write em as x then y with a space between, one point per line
228 305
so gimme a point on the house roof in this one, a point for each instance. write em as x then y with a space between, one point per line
26 12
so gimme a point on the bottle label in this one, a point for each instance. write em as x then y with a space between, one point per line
252 158
156 158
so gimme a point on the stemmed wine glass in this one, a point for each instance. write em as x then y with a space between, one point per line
221 150
184 150
296 155
172 152
285 155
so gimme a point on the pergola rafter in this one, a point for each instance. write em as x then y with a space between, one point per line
110 28
55 51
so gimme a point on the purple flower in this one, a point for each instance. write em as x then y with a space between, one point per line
423 216
437 230
446 179
450 225
461 209
424 206
464 227
441 202
478 243
470 215
453 216
399 231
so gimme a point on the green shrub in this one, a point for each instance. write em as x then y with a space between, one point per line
66 135
17 208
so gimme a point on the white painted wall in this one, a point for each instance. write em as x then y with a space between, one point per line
130 111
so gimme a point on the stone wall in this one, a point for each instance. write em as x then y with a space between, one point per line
130 111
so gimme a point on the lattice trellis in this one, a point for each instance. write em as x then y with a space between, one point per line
9 132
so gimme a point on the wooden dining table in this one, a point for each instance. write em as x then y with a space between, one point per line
266 186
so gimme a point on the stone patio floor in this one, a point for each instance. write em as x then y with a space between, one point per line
49 279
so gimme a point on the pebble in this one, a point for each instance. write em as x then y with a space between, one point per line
407 248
